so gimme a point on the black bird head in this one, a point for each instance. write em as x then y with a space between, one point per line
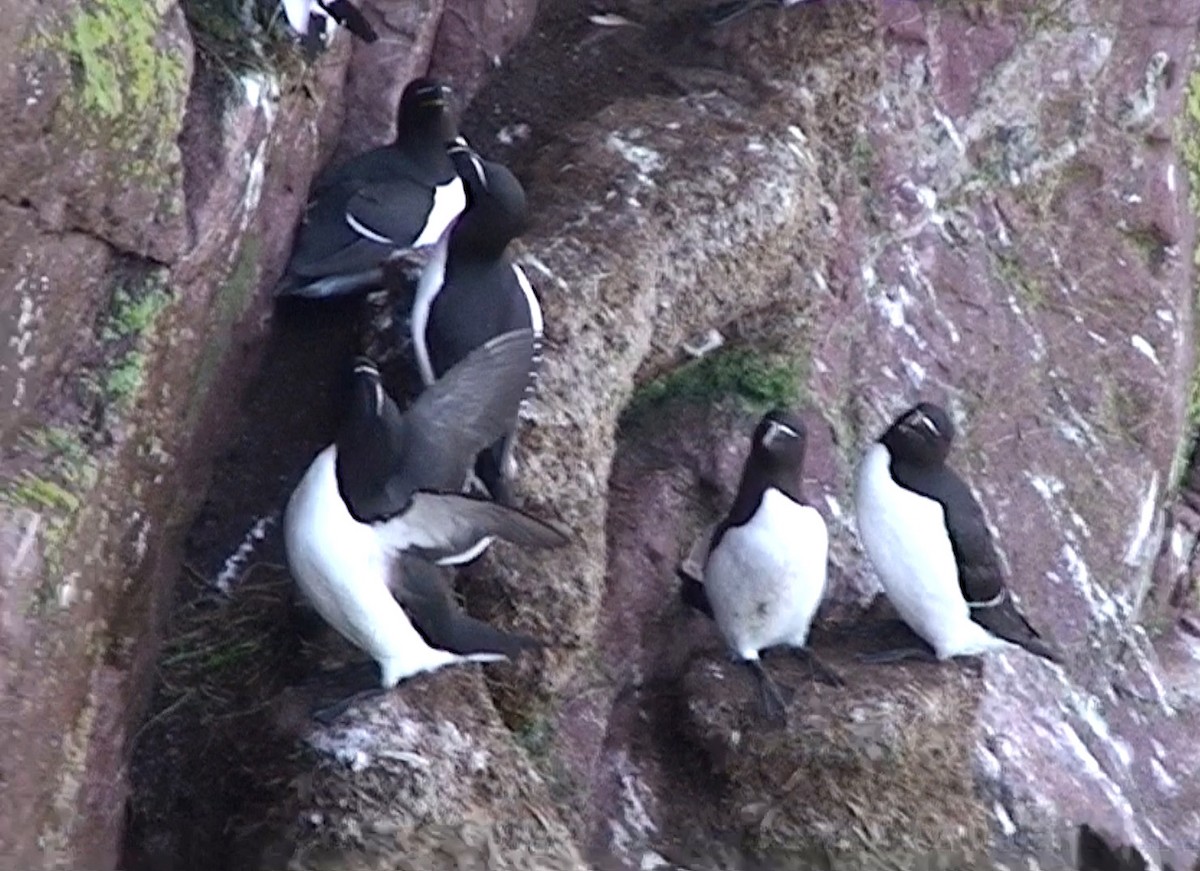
367 396
425 108
496 212
780 441
921 436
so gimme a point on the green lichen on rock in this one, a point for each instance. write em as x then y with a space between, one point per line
66 472
758 381
130 87
126 334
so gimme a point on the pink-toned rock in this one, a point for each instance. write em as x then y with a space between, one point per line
379 71
474 39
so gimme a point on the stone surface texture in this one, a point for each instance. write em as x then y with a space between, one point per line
983 203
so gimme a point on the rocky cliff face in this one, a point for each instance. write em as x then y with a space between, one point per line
982 203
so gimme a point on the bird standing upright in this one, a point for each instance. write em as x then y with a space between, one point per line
376 206
926 536
471 291
764 574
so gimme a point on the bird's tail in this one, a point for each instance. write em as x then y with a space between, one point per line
471 637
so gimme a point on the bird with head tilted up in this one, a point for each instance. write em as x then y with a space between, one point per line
926 535
471 291
317 20
381 204
389 487
764 574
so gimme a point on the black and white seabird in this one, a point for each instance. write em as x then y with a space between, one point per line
317 20
764 574
376 206
928 540
471 291
388 486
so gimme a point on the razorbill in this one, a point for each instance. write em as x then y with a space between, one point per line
764 573
376 206
316 21
471 291
927 538
389 486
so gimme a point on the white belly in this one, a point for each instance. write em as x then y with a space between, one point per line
904 535
449 200
427 289
342 569
766 578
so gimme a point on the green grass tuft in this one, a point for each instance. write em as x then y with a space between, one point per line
756 381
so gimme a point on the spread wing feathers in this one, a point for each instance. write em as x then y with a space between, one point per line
391 212
461 413
438 525
980 576
423 589
348 15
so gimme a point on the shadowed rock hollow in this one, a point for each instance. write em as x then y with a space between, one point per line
981 203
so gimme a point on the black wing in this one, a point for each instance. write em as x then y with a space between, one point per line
423 590
980 575
392 212
461 413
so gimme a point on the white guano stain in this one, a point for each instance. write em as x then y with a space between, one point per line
231 570
1098 599
1145 349
1145 523
644 160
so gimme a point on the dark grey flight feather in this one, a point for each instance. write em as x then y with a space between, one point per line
384 461
423 590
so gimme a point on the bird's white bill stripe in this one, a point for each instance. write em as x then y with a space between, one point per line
777 430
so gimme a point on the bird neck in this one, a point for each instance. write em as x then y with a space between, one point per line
757 478
423 136
480 235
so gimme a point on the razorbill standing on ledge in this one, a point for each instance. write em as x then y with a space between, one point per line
389 486
928 540
316 21
764 574
471 291
376 206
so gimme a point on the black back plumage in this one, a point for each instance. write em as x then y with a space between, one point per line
389 189
481 295
919 442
